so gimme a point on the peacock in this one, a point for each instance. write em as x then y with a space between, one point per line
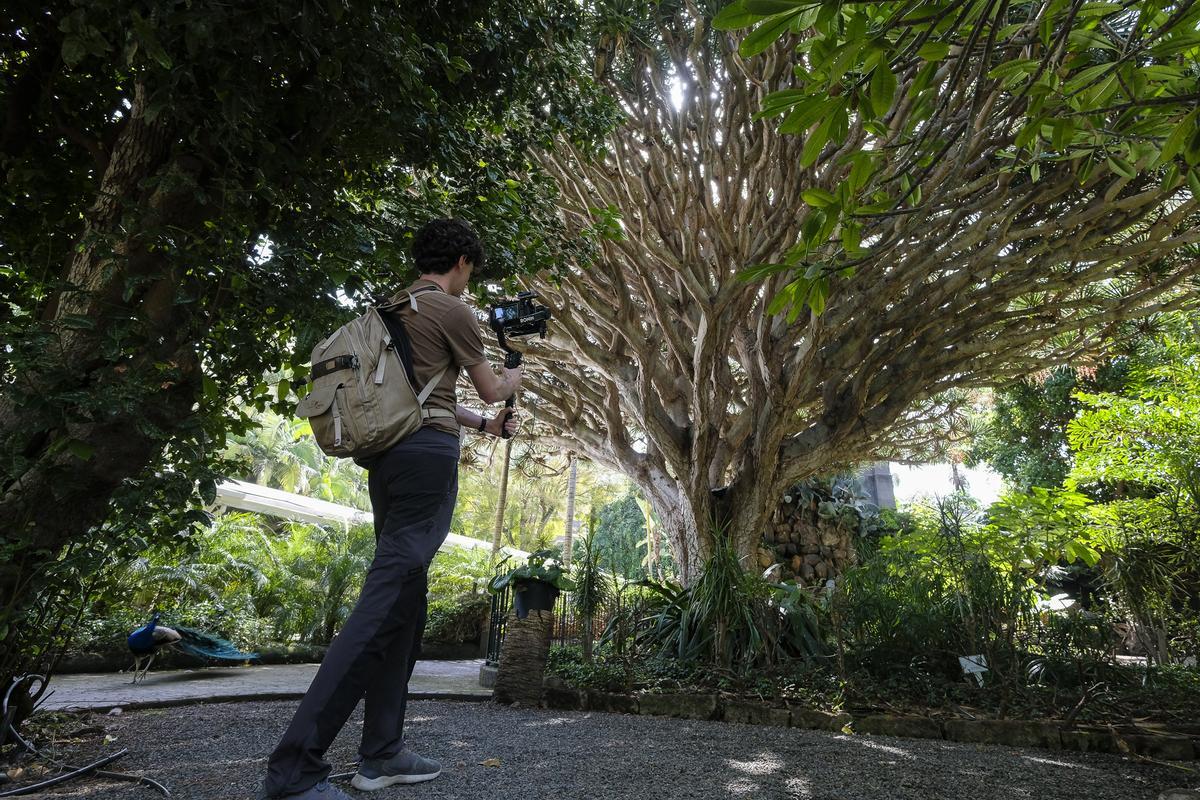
147 640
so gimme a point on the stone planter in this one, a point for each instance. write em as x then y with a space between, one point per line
684 706
748 712
1014 733
612 702
910 727
819 720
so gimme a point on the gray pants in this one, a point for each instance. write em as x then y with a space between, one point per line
413 490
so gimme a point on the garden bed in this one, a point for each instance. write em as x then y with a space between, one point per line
1155 741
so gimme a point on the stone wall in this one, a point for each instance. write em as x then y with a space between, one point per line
811 537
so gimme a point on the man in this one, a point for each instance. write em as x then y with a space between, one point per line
413 489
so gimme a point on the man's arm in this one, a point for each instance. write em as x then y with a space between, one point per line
469 419
493 388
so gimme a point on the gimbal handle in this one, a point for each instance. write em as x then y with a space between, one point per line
512 360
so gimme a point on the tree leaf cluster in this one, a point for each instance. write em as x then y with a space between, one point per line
191 194
1055 86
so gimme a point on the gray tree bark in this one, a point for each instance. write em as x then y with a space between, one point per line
523 658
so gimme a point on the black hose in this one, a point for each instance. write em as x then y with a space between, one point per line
123 776
65 777
76 771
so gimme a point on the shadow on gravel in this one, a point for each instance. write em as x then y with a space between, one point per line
218 752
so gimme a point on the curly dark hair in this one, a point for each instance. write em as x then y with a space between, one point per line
440 242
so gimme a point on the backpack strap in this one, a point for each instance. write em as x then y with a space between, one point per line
403 350
429 387
411 294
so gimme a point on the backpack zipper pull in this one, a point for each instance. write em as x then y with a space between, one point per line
337 424
387 345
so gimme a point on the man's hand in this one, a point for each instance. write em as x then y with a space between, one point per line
504 421
511 379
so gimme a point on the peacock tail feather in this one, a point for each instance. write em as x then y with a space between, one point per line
205 645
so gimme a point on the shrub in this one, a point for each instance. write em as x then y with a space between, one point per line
457 620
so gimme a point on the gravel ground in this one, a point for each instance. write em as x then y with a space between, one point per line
218 751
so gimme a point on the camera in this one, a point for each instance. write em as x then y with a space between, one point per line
520 317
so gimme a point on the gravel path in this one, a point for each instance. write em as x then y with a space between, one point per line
218 751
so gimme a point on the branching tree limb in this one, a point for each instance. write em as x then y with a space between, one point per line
667 364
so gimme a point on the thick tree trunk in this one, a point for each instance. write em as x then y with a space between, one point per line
693 521
656 570
523 658
122 271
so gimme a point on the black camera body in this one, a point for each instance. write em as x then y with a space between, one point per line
520 317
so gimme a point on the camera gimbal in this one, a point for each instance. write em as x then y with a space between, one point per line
520 317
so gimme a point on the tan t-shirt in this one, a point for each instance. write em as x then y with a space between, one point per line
444 333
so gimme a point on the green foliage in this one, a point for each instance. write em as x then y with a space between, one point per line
281 453
592 587
457 620
1126 437
1024 437
1103 87
540 566
593 590
1149 437
573 665
536 508
732 618
192 193
623 539
951 579
1141 449
459 571
621 536
261 583
959 582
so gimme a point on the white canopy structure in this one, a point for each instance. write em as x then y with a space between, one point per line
277 503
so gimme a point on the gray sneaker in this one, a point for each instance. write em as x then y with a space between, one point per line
404 767
322 791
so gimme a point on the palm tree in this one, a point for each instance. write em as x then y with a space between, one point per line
498 528
570 526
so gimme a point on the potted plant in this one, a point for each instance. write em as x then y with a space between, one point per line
535 584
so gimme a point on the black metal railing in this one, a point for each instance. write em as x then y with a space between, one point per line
568 625
497 620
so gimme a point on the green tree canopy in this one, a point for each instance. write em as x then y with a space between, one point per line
1024 435
1148 437
192 192
620 537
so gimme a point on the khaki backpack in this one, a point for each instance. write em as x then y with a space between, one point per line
363 398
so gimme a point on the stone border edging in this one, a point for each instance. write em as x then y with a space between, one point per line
176 702
1013 733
